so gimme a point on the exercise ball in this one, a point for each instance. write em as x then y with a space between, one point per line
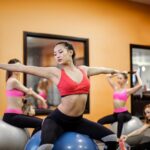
74 141
34 142
132 125
11 137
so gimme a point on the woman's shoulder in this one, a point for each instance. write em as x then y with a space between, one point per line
12 82
53 69
83 67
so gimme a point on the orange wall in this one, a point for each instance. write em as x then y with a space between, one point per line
110 25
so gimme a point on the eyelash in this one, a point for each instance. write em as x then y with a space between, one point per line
59 52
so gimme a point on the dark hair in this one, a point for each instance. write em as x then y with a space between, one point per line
69 46
146 119
11 61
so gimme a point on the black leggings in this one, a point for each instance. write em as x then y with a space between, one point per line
23 121
119 117
57 123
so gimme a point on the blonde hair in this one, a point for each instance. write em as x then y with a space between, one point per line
146 119
43 85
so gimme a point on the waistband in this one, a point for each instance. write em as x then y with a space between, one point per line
121 109
58 115
120 99
13 110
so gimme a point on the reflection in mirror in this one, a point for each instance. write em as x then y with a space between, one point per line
140 62
38 51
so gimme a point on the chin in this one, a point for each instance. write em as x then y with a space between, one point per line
60 63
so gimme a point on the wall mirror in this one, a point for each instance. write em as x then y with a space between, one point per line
140 61
38 51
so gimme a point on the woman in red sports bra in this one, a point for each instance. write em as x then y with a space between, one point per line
16 92
120 96
73 85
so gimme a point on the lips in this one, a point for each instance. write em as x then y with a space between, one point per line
59 60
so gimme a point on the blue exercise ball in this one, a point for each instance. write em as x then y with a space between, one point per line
74 141
34 142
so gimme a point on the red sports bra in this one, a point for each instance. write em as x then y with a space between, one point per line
67 86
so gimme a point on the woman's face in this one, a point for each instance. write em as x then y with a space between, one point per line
62 55
121 80
147 113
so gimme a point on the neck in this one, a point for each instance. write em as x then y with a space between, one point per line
15 76
122 86
69 66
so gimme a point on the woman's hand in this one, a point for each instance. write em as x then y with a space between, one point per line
111 75
30 91
44 104
31 111
124 137
28 109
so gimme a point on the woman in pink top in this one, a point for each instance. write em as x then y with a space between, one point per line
16 92
120 96
42 90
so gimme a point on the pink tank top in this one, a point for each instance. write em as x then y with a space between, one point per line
43 94
120 95
15 93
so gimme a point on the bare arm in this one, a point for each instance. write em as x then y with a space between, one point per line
91 71
112 84
46 72
28 91
38 97
136 87
136 132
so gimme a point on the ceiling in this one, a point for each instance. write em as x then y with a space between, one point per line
142 1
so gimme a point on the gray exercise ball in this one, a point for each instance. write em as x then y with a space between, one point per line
12 138
132 125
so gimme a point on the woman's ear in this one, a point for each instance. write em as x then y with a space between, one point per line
71 52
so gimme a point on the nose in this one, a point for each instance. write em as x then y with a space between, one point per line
58 56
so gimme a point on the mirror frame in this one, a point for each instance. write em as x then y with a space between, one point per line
131 70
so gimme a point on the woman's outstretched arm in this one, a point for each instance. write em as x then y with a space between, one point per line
91 71
46 72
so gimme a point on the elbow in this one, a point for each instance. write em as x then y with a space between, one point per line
140 85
